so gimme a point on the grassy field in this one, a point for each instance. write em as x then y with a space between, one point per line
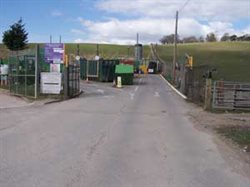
89 50
231 59
105 50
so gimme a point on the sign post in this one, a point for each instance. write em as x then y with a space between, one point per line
54 56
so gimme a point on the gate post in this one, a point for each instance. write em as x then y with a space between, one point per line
36 70
208 94
66 78
183 81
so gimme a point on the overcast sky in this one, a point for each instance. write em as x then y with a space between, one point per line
118 21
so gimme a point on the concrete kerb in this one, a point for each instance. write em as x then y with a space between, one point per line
171 86
21 106
37 103
61 100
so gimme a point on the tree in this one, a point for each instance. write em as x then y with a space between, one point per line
16 38
225 37
168 39
163 40
211 37
246 37
233 37
190 39
241 38
201 39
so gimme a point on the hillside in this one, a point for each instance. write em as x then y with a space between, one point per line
89 50
231 59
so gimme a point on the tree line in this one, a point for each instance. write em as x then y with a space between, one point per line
211 37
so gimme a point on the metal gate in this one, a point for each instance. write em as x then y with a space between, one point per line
231 95
23 73
194 83
72 80
92 69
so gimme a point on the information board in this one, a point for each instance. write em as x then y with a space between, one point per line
54 53
51 83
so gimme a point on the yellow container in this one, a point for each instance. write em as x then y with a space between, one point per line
144 68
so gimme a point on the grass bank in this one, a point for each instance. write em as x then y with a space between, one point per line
231 59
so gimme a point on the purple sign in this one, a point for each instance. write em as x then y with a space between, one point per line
54 53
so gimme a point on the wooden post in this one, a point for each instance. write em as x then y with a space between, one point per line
183 79
208 94
175 47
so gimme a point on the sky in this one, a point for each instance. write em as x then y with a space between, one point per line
118 21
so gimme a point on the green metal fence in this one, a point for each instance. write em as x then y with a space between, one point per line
23 73
92 69
107 70
102 70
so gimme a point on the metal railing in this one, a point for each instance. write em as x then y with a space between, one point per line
231 95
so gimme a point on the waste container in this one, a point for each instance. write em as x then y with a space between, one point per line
126 72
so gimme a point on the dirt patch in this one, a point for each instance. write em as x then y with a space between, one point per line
230 132
231 128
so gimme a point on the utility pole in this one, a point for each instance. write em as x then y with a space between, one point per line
97 49
60 39
175 45
50 39
78 50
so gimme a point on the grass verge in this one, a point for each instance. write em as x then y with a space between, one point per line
239 134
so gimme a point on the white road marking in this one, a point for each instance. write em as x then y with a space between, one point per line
157 94
136 88
100 91
177 91
108 96
132 96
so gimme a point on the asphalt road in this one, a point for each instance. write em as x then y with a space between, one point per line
138 136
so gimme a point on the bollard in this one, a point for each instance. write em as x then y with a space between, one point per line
119 82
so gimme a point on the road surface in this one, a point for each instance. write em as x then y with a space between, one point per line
138 136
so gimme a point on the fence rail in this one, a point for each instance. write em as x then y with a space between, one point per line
230 95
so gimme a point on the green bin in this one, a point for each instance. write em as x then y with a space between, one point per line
126 72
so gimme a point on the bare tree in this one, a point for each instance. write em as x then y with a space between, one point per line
211 37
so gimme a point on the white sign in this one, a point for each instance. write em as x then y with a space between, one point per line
151 70
78 58
4 69
51 83
55 68
97 58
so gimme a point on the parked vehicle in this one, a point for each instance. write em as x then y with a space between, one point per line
152 67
